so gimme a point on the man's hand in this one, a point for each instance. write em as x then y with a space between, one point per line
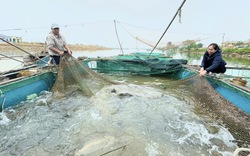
70 52
202 68
202 72
61 53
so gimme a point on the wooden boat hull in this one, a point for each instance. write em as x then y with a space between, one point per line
17 90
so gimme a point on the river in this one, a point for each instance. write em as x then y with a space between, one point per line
193 59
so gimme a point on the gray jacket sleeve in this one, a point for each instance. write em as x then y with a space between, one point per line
50 42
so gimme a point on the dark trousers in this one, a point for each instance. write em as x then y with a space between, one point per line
220 69
55 59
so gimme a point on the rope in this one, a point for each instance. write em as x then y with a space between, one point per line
167 27
137 38
67 25
176 44
118 38
135 26
2 96
238 150
121 147
23 28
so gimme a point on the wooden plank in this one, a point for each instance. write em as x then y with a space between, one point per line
245 88
228 67
16 79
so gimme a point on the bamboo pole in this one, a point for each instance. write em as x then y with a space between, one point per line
11 58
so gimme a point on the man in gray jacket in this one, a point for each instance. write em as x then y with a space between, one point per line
56 44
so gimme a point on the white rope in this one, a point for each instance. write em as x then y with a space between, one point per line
238 150
2 96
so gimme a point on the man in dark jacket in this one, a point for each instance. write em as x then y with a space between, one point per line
212 61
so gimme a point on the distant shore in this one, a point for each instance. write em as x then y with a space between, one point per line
35 47
245 55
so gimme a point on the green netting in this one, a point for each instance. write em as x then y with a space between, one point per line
137 63
73 75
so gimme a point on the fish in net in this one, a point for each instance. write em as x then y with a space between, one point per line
211 103
73 75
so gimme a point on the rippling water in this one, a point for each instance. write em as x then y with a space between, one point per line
142 116
137 117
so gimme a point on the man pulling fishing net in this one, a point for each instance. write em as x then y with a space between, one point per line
56 45
72 74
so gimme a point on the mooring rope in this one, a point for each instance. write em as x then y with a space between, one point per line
238 150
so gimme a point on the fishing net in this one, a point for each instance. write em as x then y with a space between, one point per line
136 63
211 103
73 75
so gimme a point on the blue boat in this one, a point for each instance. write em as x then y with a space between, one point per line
13 91
235 94
227 103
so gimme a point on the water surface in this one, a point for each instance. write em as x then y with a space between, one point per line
140 116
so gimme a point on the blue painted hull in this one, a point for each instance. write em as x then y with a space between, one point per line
236 96
13 93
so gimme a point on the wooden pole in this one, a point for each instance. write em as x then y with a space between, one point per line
228 67
11 58
23 50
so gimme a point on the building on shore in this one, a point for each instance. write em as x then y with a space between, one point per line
12 39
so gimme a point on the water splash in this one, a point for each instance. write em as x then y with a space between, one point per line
4 120
145 120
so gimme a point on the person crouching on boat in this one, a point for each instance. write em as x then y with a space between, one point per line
56 44
212 61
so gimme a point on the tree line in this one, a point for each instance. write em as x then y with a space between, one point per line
196 46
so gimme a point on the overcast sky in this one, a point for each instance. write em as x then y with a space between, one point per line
92 21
